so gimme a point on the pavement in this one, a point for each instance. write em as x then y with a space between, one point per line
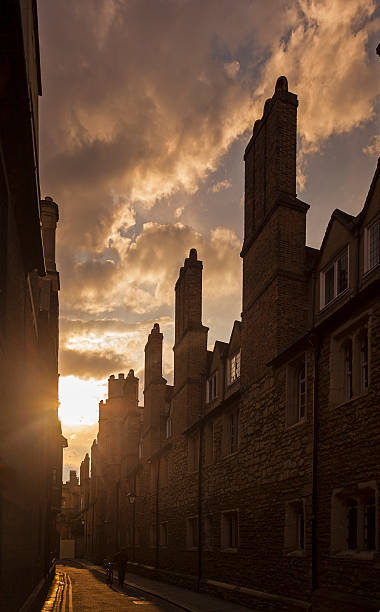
80 585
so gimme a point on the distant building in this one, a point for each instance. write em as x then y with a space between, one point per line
256 476
71 506
70 520
30 433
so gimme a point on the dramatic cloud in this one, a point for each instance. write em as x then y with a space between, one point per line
146 109
326 62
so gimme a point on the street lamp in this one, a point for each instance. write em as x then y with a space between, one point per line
132 500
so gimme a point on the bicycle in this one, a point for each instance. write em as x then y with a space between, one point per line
109 574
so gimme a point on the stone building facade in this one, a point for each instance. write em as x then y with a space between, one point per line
30 434
256 475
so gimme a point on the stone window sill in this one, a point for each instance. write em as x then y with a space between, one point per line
334 301
297 423
229 550
353 399
369 272
296 553
364 555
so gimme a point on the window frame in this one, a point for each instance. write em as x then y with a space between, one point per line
353 512
368 267
358 333
296 411
192 532
234 364
294 528
193 453
212 393
163 541
334 264
231 417
230 530
208 443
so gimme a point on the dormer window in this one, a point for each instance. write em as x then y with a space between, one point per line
334 279
212 387
372 246
234 368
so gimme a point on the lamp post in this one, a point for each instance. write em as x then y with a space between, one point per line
132 500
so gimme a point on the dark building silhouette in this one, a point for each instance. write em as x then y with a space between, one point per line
256 475
30 434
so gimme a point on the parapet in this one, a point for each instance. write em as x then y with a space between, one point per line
116 385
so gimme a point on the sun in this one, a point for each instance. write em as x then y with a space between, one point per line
79 400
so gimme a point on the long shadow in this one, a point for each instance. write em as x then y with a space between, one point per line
126 590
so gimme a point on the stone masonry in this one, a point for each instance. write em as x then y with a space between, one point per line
256 475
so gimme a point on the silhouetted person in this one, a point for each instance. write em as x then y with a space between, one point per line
121 560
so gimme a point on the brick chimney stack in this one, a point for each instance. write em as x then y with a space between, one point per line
270 158
190 350
274 264
153 356
188 296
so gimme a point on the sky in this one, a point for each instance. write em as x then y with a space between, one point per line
147 107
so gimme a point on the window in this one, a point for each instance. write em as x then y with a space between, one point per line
231 431
164 472
128 536
234 368
353 520
212 387
363 341
208 455
192 532
153 476
350 360
164 534
230 530
294 532
153 535
207 528
370 524
296 388
169 427
352 525
348 370
334 279
234 430
193 453
372 246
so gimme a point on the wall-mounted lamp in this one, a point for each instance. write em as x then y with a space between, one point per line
131 497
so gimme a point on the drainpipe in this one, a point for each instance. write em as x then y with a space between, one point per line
200 534
157 515
200 456
314 552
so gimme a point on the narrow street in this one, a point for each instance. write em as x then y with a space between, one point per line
80 589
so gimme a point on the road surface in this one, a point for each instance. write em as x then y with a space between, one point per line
77 589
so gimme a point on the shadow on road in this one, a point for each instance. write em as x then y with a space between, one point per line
126 590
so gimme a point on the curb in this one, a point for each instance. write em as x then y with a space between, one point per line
100 570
